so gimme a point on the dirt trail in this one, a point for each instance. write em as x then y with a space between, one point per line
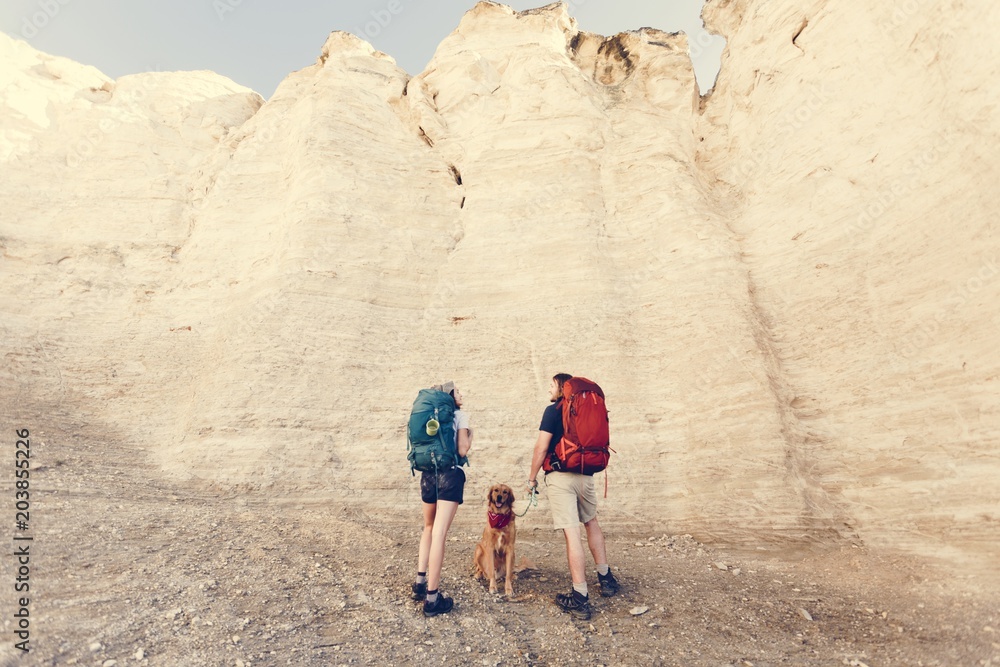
131 568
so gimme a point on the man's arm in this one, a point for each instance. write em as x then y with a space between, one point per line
538 457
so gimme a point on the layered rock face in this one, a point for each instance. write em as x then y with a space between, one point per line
787 288
856 164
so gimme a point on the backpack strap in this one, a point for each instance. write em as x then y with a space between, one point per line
409 446
460 460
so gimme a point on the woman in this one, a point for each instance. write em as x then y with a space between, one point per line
441 495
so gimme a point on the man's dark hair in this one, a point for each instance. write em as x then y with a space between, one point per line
561 378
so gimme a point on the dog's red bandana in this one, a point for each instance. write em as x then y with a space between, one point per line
498 521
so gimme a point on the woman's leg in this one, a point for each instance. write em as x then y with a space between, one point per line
425 538
441 520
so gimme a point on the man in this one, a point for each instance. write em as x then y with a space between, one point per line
574 501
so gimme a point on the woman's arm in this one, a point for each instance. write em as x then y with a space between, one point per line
464 441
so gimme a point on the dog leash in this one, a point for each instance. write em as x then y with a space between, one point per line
532 501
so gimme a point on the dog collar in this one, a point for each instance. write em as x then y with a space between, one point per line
498 521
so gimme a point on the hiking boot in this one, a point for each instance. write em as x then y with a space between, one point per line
440 606
608 584
576 604
419 591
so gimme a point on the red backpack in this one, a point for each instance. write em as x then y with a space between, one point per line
584 445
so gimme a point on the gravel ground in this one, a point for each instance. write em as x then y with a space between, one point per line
129 568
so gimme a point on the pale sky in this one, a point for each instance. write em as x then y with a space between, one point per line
259 42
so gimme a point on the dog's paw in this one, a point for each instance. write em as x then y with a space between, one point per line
508 591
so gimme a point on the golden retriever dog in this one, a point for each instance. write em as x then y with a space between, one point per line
497 545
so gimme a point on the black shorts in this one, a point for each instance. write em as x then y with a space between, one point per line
449 485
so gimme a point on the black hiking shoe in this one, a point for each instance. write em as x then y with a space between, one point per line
419 591
576 604
440 606
608 584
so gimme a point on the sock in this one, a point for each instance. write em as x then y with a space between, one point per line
432 596
581 588
421 577
603 569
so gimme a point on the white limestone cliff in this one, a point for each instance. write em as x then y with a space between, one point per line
787 287
854 158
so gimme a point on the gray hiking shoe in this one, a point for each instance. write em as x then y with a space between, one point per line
419 591
608 584
576 604
440 606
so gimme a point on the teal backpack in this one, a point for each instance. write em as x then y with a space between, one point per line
430 435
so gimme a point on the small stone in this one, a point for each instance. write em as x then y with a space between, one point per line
987 628
736 570
140 654
240 663
109 663
805 614
722 566
95 647
428 643
236 639
638 611
640 544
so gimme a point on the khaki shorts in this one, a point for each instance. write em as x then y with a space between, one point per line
572 498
